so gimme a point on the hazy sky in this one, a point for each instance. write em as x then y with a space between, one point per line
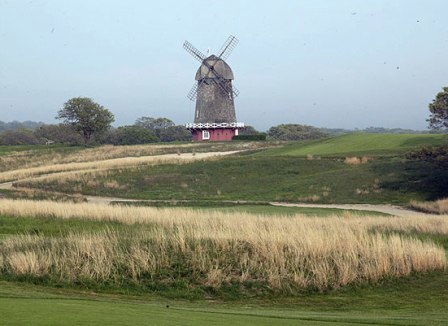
326 63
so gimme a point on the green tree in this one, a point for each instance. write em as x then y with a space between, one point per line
439 111
295 132
164 128
132 135
248 130
154 123
60 134
86 117
18 137
174 133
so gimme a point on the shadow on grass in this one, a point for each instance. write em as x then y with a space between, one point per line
424 179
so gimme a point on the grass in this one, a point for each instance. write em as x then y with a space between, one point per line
252 208
360 144
276 174
214 253
434 207
257 178
415 300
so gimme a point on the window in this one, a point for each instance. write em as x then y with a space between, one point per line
205 134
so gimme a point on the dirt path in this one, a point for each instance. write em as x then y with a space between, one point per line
387 209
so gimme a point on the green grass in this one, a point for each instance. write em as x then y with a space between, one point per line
414 300
276 174
360 144
286 178
50 226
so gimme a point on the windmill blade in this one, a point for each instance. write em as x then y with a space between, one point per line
193 51
193 92
228 47
219 80
235 91
227 89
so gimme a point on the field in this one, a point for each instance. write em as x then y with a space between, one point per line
262 175
200 242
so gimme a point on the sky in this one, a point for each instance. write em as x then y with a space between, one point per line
337 64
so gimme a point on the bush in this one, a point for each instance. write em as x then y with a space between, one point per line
435 155
60 134
20 137
261 136
295 132
132 135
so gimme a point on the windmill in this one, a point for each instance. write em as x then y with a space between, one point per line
215 117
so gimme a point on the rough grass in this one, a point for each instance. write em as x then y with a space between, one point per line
24 157
211 250
433 207
256 178
103 165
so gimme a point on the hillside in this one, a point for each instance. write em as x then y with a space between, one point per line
383 176
360 144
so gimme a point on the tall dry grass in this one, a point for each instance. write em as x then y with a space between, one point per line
357 160
212 248
105 164
49 157
433 207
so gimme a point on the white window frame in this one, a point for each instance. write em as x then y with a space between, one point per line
205 134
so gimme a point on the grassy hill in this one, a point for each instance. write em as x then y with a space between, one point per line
283 173
280 174
360 144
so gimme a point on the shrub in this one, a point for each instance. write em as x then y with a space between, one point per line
295 132
260 136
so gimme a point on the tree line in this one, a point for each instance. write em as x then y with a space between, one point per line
86 122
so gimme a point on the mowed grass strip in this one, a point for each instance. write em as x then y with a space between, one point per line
414 300
359 144
66 311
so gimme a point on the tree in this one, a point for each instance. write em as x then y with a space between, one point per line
174 133
164 128
248 130
439 111
86 117
154 123
60 134
295 132
18 137
435 155
132 135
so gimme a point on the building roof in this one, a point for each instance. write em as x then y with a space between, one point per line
218 65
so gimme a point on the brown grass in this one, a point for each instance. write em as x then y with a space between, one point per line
104 165
39 158
357 160
215 248
433 207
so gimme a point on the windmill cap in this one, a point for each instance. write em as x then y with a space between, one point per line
221 68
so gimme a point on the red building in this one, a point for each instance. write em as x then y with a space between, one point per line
214 131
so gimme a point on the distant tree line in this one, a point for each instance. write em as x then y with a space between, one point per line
85 122
67 135
16 125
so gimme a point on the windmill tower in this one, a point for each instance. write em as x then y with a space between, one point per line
214 118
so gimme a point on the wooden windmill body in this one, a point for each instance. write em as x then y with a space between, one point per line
215 117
